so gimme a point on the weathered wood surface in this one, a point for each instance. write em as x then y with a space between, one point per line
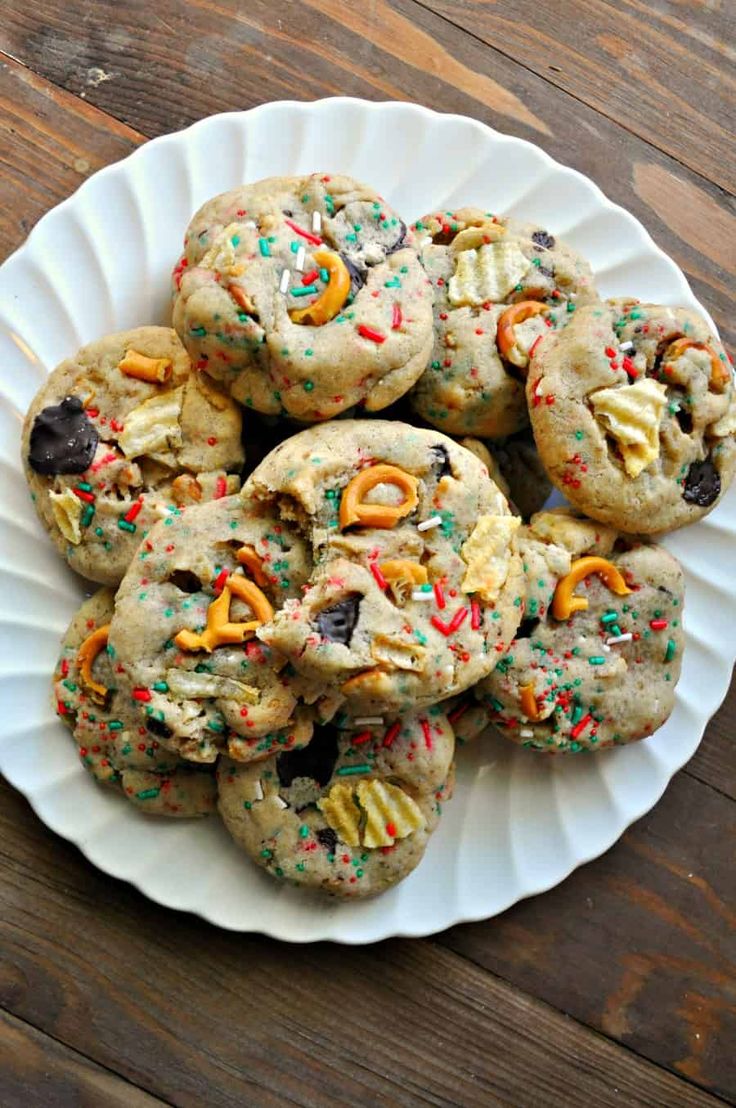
619 987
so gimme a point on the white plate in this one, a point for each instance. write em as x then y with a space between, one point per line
100 262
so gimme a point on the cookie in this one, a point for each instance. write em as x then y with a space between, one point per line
183 634
117 437
498 286
515 466
351 813
597 657
304 296
634 416
416 580
113 747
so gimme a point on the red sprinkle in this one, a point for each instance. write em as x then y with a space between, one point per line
534 346
314 239
308 278
369 333
380 579
133 511
439 596
630 367
456 713
88 496
220 580
580 727
212 441
460 616
475 615
397 317
658 624
363 737
391 734
443 628
610 352
141 694
427 734
220 487
391 830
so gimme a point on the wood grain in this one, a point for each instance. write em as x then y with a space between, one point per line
198 1015
643 67
212 55
49 142
641 944
38 1072
715 759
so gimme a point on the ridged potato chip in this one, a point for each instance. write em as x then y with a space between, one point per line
390 813
67 509
488 273
632 414
342 813
189 684
487 554
153 427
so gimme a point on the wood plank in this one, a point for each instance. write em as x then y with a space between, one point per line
660 75
38 1072
640 944
714 761
50 141
198 1015
210 55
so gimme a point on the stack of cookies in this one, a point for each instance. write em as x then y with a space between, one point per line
299 644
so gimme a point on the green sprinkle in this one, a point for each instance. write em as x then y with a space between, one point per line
570 306
609 617
266 853
148 794
303 290
84 486
87 515
324 276
394 283
346 771
294 247
235 240
670 651
579 435
577 714
200 332
115 725
264 248
125 526
303 831
160 686
596 661
308 386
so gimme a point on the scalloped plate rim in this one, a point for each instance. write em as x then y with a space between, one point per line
329 932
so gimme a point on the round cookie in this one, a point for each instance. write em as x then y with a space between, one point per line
351 813
113 747
117 437
183 634
305 296
582 679
633 412
498 286
416 583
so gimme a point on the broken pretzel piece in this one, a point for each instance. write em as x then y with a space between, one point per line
219 630
154 370
354 509
564 603
93 645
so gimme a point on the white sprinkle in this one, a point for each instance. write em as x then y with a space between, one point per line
419 595
279 802
259 791
428 524
619 638
606 648
626 345
284 282
299 264
427 241
250 223
316 222
368 721
525 733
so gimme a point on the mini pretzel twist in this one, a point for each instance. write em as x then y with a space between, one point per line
565 603
333 296
93 645
720 374
353 509
508 347
154 370
219 630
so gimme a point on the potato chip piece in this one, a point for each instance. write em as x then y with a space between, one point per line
487 554
67 509
153 427
221 255
195 686
488 273
576 535
397 654
390 813
632 414
342 813
472 237
726 425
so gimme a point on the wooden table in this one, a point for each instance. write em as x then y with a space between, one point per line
618 987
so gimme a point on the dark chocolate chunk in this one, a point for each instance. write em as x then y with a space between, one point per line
338 622
357 275
63 440
185 580
543 239
441 460
315 761
547 272
527 627
400 241
702 484
327 838
685 420
158 727
289 214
